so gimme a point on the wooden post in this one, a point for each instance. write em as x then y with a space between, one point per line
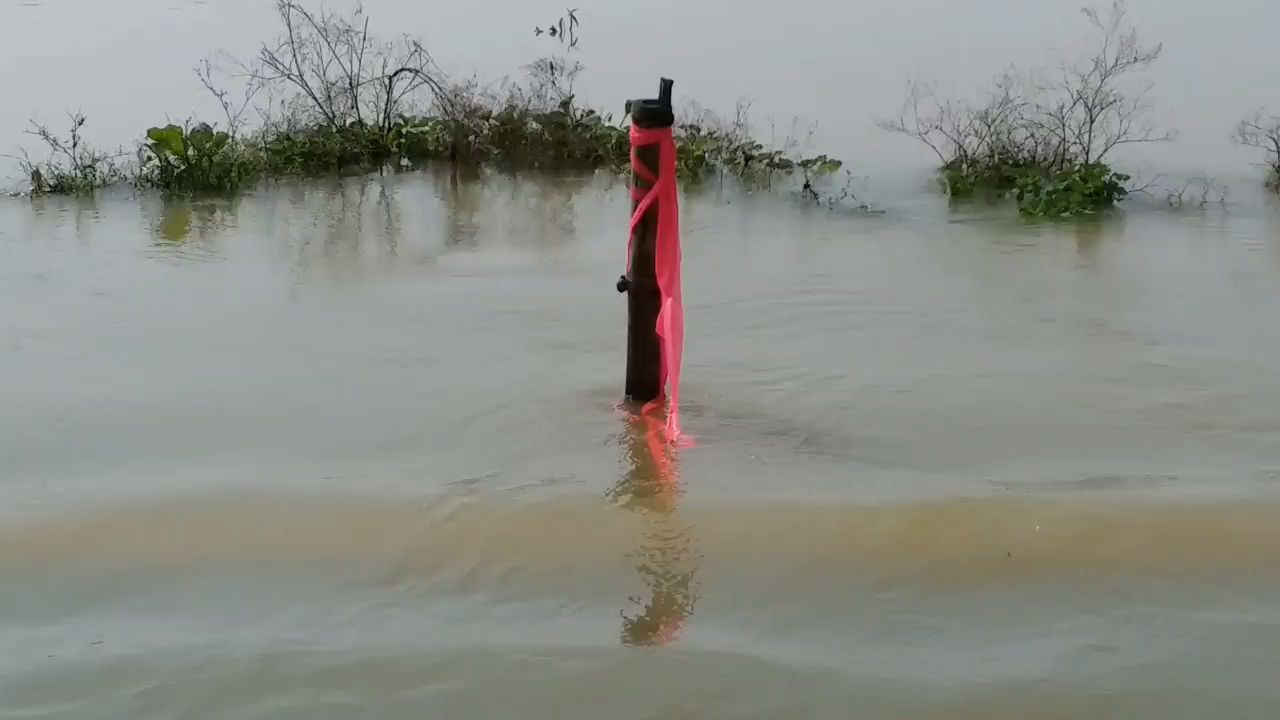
644 299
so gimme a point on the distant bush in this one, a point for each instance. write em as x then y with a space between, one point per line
710 147
1047 142
535 123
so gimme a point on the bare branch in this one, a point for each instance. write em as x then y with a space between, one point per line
1262 132
342 73
233 111
1077 116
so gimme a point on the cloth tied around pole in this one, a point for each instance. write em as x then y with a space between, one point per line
662 191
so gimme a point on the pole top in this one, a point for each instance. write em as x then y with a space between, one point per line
654 113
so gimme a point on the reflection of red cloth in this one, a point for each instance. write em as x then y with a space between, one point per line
657 450
670 327
664 618
668 631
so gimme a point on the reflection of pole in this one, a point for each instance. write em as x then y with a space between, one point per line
644 298
460 202
650 485
671 597
391 219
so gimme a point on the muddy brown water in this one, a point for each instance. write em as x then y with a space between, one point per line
351 449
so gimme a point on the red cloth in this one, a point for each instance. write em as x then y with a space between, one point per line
666 259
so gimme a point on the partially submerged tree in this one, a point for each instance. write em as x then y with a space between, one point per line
979 144
1095 109
1197 192
1262 131
1045 138
342 74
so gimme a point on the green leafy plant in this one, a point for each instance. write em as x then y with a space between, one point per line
194 159
1078 190
420 139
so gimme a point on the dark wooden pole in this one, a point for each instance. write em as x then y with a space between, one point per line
644 299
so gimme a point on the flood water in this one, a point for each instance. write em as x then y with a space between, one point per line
352 448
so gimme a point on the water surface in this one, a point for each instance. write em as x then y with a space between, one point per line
350 448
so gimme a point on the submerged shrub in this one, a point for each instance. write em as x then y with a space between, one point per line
321 149
992 176
516 136
1047 140
708 147
194 159
420 139
73 167
1077 190
535 124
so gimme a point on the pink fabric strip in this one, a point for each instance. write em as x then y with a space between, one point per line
666 258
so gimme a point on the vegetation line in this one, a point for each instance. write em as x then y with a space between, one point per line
329 97
1046 137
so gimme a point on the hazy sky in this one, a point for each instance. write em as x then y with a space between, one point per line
127 63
